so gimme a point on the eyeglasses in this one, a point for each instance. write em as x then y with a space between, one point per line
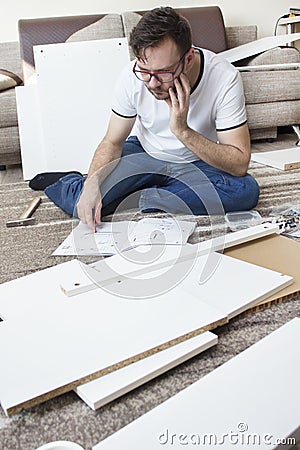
163 76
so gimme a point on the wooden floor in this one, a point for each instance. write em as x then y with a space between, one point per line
13 174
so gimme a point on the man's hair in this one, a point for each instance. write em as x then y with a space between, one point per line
157 25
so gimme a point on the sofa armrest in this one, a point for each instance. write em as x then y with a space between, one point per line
108 27
269 67
277 55
47 30
10 58
239 35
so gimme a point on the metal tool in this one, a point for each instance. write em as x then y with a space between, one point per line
25 218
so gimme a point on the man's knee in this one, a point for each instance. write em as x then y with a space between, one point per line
65 192
239 193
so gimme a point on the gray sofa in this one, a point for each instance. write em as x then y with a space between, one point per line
10 60
272 96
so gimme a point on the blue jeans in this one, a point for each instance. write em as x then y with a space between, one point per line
188 188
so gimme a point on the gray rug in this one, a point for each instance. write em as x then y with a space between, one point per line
25 250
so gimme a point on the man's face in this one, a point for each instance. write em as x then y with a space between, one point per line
157 60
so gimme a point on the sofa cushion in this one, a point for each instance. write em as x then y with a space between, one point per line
130 20
239 35
9 146
110 26
8 108
207 26
47 30
281 114
10 57
271 86
8 80
277 55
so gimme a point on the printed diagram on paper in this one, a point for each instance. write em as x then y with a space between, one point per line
159 231
112 237
83 242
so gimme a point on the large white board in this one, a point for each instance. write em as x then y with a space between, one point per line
285 159
50 343
252 401
74 88
30 131
103 390
258 46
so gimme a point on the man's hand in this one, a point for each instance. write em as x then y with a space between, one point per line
89 204
179 103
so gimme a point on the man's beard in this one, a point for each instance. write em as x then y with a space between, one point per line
158 93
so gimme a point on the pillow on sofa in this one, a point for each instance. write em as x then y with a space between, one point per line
110 26
8 80
130 20
277 55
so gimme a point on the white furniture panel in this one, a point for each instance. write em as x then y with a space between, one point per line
258 46
250 401
50 343
286 159
30 131
75 83
109 270
98 392
234 286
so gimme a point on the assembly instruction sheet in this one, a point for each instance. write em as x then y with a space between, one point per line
112 237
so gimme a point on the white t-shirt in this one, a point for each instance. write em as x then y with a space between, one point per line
216 103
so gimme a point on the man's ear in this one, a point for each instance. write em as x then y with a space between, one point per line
189 58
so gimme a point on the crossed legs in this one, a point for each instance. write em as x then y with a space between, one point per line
189 188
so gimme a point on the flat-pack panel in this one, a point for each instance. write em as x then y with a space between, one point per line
50 343
286 159
250 401
30 131
103 390
258 46
74 88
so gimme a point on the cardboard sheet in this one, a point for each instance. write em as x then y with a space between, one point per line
275 252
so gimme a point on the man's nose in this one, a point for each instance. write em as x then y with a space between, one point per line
154 82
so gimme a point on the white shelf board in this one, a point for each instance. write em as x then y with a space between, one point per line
50 343
103 390
254 398
109 270
285 159
75 340
72 99
258 46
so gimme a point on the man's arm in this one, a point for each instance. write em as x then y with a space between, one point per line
231 154
105 159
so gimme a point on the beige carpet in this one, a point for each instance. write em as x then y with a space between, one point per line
27 249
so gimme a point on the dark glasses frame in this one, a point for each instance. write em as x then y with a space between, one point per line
139 73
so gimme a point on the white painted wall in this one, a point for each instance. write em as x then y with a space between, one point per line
263 13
